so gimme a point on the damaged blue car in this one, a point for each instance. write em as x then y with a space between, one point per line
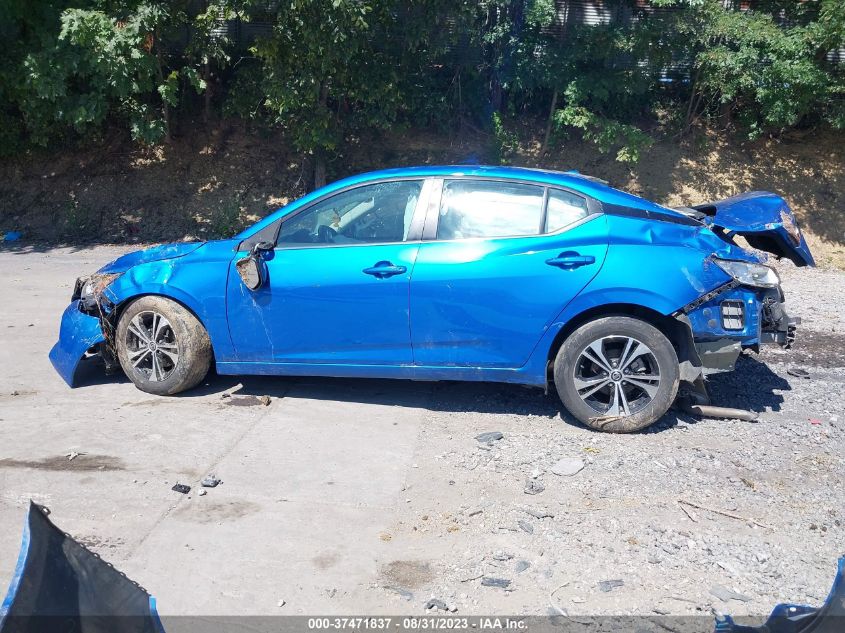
456 273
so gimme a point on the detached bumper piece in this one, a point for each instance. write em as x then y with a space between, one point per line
794 618
59 586
78 333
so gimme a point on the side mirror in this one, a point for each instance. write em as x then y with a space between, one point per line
262 247
249 268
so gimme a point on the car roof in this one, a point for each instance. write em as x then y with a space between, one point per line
571 180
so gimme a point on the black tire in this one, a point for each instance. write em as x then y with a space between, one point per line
180 356
645 397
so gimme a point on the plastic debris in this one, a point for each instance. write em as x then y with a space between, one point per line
181 488
210 481
12 236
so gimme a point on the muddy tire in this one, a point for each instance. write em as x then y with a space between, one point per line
617 374
161 346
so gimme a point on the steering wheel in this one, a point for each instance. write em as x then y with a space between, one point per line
326 234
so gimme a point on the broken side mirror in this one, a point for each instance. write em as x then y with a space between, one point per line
250 267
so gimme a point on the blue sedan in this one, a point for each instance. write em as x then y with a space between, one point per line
456 273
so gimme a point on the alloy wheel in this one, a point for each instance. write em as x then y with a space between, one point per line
151 345
617 375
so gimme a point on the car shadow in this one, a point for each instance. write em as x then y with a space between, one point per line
730 389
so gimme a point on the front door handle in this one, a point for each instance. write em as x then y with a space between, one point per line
383 270
571 259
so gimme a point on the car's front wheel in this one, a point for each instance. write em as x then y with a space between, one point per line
161 346
617 374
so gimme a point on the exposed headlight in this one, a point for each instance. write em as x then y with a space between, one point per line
88 289
749 274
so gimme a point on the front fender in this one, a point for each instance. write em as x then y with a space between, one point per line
77 334
197 281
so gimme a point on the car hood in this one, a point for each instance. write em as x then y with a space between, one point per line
764 219
154 254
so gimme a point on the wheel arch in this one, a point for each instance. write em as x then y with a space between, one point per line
677 330
125 302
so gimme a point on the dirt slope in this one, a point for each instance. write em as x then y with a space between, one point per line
211 182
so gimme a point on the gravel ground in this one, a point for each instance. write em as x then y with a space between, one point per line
691 517
374 497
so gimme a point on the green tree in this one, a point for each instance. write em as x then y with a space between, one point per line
330 70
766 69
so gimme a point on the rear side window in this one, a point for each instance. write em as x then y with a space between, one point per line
478 208
564 208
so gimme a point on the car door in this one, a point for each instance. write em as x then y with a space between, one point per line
336 287
504 258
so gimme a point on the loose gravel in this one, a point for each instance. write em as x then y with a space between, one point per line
693 516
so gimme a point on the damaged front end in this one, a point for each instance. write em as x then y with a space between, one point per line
743 313
87 328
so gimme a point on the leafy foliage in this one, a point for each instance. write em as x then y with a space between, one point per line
329 71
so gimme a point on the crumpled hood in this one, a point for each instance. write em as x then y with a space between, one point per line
154 254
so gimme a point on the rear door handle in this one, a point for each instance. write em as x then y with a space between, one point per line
383 270
571 259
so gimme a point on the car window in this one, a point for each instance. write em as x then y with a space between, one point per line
375 213
477 208
563 209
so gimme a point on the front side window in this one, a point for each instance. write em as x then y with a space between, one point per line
478 208
376 213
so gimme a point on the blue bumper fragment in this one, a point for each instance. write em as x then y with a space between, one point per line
59 586
77 334
795 618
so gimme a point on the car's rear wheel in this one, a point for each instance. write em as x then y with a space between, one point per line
161 346
617 374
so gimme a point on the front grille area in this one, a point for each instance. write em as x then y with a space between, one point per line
733 315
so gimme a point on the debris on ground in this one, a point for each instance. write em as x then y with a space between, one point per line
502 583
609 585
521 566
798 372
202 493
434 603
248 401
210 481
533 487
181 488
281 603
12 236
489 437
568 466
525 526
73 455
539 513
724 513
403 593
724 594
